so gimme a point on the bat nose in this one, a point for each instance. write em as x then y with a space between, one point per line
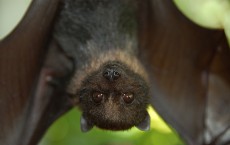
111 74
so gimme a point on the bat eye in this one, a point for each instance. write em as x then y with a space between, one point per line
97 97
128 98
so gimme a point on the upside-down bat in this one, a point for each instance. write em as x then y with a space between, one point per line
190 70
110 81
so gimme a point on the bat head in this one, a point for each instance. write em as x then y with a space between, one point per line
114 98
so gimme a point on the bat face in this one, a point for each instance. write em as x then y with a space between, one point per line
114 98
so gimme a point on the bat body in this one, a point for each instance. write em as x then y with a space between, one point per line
110 81
191 77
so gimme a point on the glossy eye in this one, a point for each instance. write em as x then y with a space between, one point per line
97 97
128 98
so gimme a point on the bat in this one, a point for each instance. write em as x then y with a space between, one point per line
184 63
110 81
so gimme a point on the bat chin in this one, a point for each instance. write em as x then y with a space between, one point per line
143 125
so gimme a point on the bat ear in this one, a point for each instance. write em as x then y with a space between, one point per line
145 124
85 126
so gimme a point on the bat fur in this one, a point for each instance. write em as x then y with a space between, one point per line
101 36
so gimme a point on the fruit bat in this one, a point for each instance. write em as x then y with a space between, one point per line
110 81
187 68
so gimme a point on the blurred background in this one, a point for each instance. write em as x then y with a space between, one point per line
66 130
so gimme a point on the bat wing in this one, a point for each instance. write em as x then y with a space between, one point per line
185 65
27 106
217 119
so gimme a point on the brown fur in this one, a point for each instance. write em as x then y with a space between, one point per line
115 55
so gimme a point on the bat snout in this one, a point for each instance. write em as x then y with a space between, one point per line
111 74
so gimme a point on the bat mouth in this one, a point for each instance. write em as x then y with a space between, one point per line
105 124
114 126
108 124
87 125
